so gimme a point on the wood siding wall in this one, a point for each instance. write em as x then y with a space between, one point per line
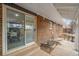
0 29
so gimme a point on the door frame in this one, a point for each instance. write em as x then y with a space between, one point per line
35 32
4 33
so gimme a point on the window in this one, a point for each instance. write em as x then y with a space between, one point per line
30 28
15 29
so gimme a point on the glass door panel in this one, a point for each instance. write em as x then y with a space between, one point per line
30 28
15 29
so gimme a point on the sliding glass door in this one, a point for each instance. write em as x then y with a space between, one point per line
15 29
20 29
30 28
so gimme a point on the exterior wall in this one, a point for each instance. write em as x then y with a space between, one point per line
0 29
43 30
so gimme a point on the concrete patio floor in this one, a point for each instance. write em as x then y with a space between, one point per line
65 49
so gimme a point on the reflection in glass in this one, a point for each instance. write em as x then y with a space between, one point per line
30 28
15 29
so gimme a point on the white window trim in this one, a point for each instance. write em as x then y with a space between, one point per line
4 33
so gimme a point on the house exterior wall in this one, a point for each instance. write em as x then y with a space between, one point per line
0 29
47 29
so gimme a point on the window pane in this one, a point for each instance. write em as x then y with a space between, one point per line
30 28
15 29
